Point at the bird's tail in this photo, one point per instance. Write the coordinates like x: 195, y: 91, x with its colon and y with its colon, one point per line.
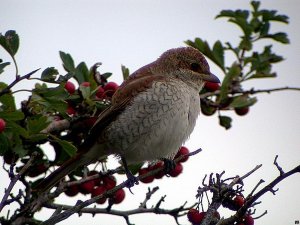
x: 66, y: 168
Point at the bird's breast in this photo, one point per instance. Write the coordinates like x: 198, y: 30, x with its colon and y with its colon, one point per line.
x: 156, y: 123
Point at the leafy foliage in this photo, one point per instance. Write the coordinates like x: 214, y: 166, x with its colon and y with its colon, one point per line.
x: 249, y: 64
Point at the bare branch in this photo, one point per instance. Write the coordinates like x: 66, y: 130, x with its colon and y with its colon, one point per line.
x: 15, y: 178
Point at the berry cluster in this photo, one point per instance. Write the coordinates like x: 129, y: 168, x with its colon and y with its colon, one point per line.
x: 183, y: 151
x: 102, y: 92
x: 97, y: 187
x: 208, y: 109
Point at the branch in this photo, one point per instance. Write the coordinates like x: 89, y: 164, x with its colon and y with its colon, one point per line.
x: 80, y: 205
x: 251, y: 91
x: 18, y: 79
x: 251, y: 199
x: 14, y: 180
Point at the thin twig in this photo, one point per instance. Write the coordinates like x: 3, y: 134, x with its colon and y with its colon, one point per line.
x: 15, y: 179
x: 18, y: 79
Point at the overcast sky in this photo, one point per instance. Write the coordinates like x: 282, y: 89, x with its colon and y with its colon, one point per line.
x: 135, y: 33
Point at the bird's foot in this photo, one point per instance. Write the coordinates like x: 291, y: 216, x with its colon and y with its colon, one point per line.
x: 169, y: 165
x: 131, y: 180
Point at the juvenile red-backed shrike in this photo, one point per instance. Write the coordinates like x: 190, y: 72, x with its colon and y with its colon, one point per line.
x: 151, y: 115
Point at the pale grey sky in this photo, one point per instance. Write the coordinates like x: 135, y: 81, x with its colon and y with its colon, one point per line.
x: 135, y: 33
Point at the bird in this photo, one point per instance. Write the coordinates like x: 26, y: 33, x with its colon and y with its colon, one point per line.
x: 152, y: 113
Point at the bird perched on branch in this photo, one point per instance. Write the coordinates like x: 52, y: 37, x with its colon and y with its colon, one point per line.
x: 152, y: 114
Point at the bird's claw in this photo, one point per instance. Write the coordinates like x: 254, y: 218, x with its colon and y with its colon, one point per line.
x: 169, y: 165
x: 131, y: 181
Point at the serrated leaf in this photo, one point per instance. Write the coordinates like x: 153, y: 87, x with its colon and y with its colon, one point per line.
x: 49, y: 74
x: 280, y: 37
x: 3, y: 65
x: 67, y: 147
x: 242, y: 101
x: 10, y: 42
x: 82, y: 73
x: 125, y: 72
x: 225, y: 122
x: 269, y: 15
x: 68, y: 62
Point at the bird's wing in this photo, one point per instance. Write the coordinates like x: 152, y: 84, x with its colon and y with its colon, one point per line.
x: 136, y: 83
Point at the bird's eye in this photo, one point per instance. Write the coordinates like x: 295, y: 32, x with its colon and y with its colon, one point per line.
x: 195, y: 67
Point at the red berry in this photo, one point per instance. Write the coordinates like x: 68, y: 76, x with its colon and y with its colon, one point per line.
x: 217, y: 215
x: 212, y: 86
x: 177, y: 170
x: 2, y: 125
x: 97, y: 180
x: 239, y: 200
x: 183, y: 151
x: 70, y: 110
x: 118, y: 196
x: 87, y: 187
x: 160, y: 174
x: 72, y: 191
x: 110, y: 88
x: 85, y: 84
x: 70, y: 87
x: 10, y: 157
x: 148, y: 179
x: 100, y: 92
x: 194, y: 216
x: 109, y: 182
x: 241, y: 111
x: 37, y: 170
x: 99, y: 191
x: 248, y: 220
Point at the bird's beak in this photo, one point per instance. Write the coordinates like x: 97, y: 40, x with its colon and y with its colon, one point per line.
x: 210, y: 77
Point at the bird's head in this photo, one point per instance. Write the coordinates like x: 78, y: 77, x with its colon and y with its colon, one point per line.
x: 185, y: 63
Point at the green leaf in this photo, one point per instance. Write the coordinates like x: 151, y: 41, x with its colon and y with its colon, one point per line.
x: 280, y: 37
x: 246, y: 44
x: 225, y: 122
x: 49, y: 74
x: 125, y: 72
x: 10, y: 42
x: 36, y: 124
x: 67, y: 147
x: 255, y: 5
x: 106, y: 75
x: 242, y: 101
x: 3, y: 65
x: 7, y: 100
x: 4, y: 144
x: 218, y: 53
x: 68, y: 62
x: 233, y: 72
x: 82, y: 73
x: 264, y: 29
x: 85, y: 91
x: 17, y: 130
x: 13, y: 116
x: 269, y: 15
